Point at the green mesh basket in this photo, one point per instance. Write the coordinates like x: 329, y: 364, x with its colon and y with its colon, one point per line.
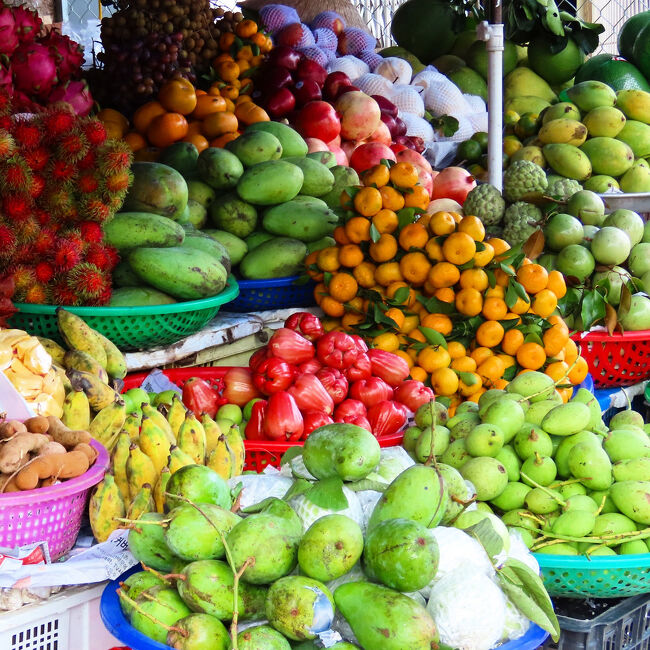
x: 130, y: 328
x: 599, y: 577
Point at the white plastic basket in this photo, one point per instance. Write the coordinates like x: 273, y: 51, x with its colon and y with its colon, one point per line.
x: 69, y: 620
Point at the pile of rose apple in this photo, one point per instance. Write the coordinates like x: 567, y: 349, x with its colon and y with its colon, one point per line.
x: 305, y: 378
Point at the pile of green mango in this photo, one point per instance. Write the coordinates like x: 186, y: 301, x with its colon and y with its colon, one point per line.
x: 552, y: 471
x: 293, y: 578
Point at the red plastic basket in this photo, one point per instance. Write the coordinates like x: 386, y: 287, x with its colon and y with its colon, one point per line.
x: 259, y: 453
x: 616, y: 359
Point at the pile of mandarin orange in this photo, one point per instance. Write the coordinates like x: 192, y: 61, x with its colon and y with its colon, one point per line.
x: 494, y: 310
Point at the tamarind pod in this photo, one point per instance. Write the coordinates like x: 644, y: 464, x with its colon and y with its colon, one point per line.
x: 139, y: 470
x: 99, y: 394
x: 191, y: 439
x: 79, y: 360
x: 178, y: 458
x: 176, y: 414
x: 160, y: 488
x: 105, y: 507
x: 107, y: 424
x: 67, y: 437
x: 160, y: 421
x: 78, y: 335
x: 53, y: 349
x: 37, y: 424
x: 154, y: 443
x: 132, y: 424
x: 118, y: 461
x: 76, y: 411
x: 142, y: 503
x: 115, y: 361
x: 237, y: 449
x: 15, y: 452
x: 86, y: 449
x: 220, y: 459
x: 212, y: 433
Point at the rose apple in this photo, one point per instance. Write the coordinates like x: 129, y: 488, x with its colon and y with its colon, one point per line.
x: 318, y: 119
x: 285, y: 56
x: 360, y: 115
x: 332, y: 83
x: 305, y: 91
x: 308, y: 69
x: 369, y: 154
x: 280, y: 103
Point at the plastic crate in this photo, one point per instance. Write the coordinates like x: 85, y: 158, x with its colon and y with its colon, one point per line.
x: 69, y: 620
x: 279, y: 293
x: 625, y: 626
x: 130, y: 328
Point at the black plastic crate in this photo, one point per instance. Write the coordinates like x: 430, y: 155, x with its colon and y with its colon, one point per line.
x: 625, y: 625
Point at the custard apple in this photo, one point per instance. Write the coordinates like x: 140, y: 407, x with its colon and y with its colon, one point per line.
x: 486, y: 203
x: 562, y: 189
x: 494, y: 231
x: 520, y: 222
x: 521, y: 178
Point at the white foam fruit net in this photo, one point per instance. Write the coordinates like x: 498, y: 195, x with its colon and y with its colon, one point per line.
x: 350, y: 65
x: 398, y: 71
x: 417, y: 126
x: 374, y: 84
x: 408, y: 99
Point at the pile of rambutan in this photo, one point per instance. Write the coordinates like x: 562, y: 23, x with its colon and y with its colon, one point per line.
x: 61, y: 178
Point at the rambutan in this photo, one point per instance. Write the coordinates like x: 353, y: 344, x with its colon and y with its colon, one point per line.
x: 96, y: 210
x: 16, y: 175
x: 58, y: 120
x: 94, y: 131
x: 37, y: 294
x: 113, y: 255
x: 28, y: 230
x: 5, y: 101
x: 72, y: 146
x: 8, y: 241
x: 58, y: 199
x: 115, y: 156
x: 24, y: 277
x: 118, y: 182
x: 7, y: 144
x: 24, y: 253
x: 26, y: 133
x: 116, y: 200
x: 62, y: 294
x: 38, y: 185
x: 44, y: 272
x: 103, y: 299
x: 87, y: 281
x: 62, y: 171
x: 37, y: 158
x: 42, y: 216
x: 67, y: 254
x: 45, y: 241
x: 91, y: 232
x: 87, y: 183
x: 88, y: 161
x: 98, y: 256
x: 17, y: 206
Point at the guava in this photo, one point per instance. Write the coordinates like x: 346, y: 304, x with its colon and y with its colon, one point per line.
x: 638, y: 316
x: 589, y: 234
x: 629, y: 222
x: 610, y: 245
x: 588, y: 207
x: 616, y: 277
x: 563, y: 230
x: 639, y: 262
x: 576, y: 261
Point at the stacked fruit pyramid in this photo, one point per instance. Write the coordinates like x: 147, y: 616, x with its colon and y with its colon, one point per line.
x: 468, y: 312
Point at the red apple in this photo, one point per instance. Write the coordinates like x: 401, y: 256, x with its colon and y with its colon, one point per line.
x: 285, y: 56
x: 360, y: 115
x: 332, y: 83
x: 346, y: 89
x: 369, y: 154
x: 416, y: 159
x: 275, y: 77
x: 280, y: 103
x: 308, y: 69
x: 318, y: 119
x: 382, y: 134
x: 341, y: 157
x: 389, y: 121
x: 398, y: 148
x: 305, y: 91
x: 385, y: 105
x: 314, y: 144
x: 418, y: 143
x: 400, y: 127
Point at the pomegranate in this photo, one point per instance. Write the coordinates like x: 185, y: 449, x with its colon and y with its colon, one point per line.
x: 369, y: 154
x: 453, y: 183
x: 381, y: 134
x: 318, y: 119
x: 416, y: 159
x: 360, y: 115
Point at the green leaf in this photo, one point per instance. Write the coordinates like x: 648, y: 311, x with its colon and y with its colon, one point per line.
x: 534, y: 338
x: 328, y: 493
x: 510, y: 373
x: 436, y: 306
x: 374, y: 233
x: 327, y: 277
x: 290, y: 454
x: 492, y: 281
x: 387, y: 163
x: 467, y: 378
x: 487, y: 536
x: 405, y: 216
x: 300, y: 486
x: 433, y: 336
x: 521, y: 292
x: 593, y: 308
x: 506, y: 269
x: 511, y: 296
x: 401, y: 295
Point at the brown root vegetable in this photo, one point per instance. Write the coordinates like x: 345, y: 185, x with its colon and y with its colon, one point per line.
x: 10, y: 428
x: 14, y: 452
x: 38, y: 424
x: 59, y: 466
x: 67, y: 437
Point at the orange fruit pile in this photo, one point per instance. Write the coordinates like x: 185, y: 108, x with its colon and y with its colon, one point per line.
x: 466, y: 313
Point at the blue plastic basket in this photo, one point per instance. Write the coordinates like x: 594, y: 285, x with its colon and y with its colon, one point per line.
x: 123, y: 631
x: 279, y: 293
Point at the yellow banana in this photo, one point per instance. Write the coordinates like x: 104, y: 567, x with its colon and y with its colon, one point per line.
x: 154, y: 443
x: 212, y: 433
x: 107, y: 424
x: 78, y: 360
x: 160, y: 489
x: 176, y: 414
x: 160, y: 421
x: 237, y: 449
x: 178, y: 458
x: 132, y: 424
x: 115, y: 361
x: 105, y: 507
x: 76, y: 411
x: 220, y: 459
x: 139, y: 470
x: 53, y: 349
x: 191, y: 439
x: 99, y: 394
x: 142, y: 503
x: 78, y: 335
x: 118, y: 462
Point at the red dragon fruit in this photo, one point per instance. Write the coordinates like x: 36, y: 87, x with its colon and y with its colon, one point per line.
x: 75, y: 93
x: 67, y: 53
x: 6, y: 78
x: 28, y: 23
x: 8, y: 35
x: 34, y: 69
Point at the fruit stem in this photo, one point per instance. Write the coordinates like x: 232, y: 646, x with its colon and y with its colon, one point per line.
x: 613, y: 537
x: 555, y: 497
x: 158, y: 575
x: 431, y: 458
x: 602, y: 505
x: 122, y: 596
x: 569, y: 481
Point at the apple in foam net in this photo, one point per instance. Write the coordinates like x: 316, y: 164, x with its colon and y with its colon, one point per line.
x: 285, y: 56
x: 318, y: 119
x: 332, y: 83
x: 360, y: 115
x: 308, y: 69
x: 368, y: 154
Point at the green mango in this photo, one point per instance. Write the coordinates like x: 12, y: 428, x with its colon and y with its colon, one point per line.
x: 276, y: 258
x: 182, y: 156
x: 534, y: 386
x: 512, y: 497
x: 198, y: 484
x: 568, y: 160
x: 591, y: 465
x: 202, y: 242
x: 634, y: 469
x: 138, y: 297
x: 219, y: 168
x: 304, y: 222
x: 608, y: 156
x: 626, y: 444
x: 235, y: 247
x: 343, y: 177
x: 291, y: 141
x: 632, y: 498
x: 588, y: 95
x: 577, y: 523
x: 164, y: 606
x: 456, y: 489
x: 156, y: 188
x: 318, y: 179
x: 134, y: 585
x: 199, y: 632
x: 488, y: 476
x: 228, y: 212
x: 254, y: 147
x: 567, y: 419
x: 270, y: 183
x: 327, y: 158
x: 262, y: 637
x: 256, y: 238
x: 128, y: 230
x: 566, y: 445
x: 147, y: 543
x: 200, y: 192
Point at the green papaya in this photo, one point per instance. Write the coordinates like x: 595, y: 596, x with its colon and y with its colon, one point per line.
x: 270, y: 183
x: 304, y: 222
x: 276, y: 258
x: 128, y: 230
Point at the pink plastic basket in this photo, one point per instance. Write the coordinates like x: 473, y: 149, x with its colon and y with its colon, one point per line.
x: 51, y: 514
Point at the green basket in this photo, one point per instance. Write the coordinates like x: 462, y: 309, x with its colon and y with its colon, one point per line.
x: 597, y: 577
x: 130, y: 328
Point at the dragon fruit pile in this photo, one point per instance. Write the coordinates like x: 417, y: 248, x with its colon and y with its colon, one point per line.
x: 39, y: 68
x: 60, y: 179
